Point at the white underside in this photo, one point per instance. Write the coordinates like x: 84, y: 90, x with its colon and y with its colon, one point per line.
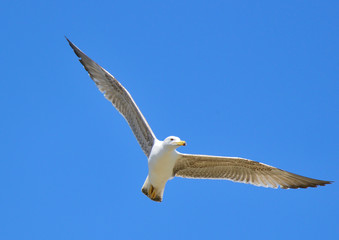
x: 160, y: 165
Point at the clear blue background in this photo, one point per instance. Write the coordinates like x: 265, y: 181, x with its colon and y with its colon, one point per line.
x: 254, y: 79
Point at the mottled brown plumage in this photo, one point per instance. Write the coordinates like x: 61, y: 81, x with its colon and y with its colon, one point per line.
x: 120, y: 98
x: 240, y: 170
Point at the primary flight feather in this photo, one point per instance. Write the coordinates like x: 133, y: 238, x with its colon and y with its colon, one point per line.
x: 164, y: 162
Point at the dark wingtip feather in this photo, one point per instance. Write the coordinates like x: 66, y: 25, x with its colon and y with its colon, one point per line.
x: 76, y: 50
x: 322, y: 183
x: 70, y: 43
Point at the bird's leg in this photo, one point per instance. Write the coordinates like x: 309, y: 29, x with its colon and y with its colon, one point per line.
x: 153, y: 195
x: 151, y: 192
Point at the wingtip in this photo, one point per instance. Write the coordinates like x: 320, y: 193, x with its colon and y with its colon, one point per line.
x: 314, y: 185
x: 324, y: 183
x: 69, y: 42
x: 76, y: 50
x: 67, y: 38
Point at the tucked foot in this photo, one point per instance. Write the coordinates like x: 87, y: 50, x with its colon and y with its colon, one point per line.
x: 152, y: 194
x: 151, y: 190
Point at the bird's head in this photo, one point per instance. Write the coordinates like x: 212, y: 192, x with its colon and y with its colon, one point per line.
x: 174, y: 141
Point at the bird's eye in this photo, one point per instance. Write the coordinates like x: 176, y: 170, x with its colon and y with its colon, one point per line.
x: 171, y: 139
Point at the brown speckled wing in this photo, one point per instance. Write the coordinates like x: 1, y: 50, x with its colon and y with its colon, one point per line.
x: 120, y: 98
x: 240, y: 170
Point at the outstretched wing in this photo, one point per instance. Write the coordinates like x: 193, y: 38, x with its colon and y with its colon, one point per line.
x: 120, y: 98
x: 240, y: 170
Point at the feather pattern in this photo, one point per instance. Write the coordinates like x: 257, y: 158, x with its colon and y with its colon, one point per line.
x: 240, y: 170
x: 164, y: 162
x: 120, y: 98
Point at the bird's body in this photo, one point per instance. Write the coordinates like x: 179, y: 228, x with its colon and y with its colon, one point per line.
x: 165, y: 162
x: 160, y: 164
x: 160, y: 169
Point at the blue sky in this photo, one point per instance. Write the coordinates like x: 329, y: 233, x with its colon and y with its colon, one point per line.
x: 254, y: 79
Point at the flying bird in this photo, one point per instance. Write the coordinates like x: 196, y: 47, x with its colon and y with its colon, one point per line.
x: 165, y: 162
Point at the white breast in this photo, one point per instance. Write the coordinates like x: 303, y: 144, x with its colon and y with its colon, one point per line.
x: 160, y: 164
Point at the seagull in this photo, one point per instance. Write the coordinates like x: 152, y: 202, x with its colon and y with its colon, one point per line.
x: 165, y: 162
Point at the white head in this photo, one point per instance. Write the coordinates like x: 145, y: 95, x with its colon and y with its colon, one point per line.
x: 174, y: 141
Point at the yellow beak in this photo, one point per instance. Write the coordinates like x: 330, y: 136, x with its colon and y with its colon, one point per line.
x: 181, y: 143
